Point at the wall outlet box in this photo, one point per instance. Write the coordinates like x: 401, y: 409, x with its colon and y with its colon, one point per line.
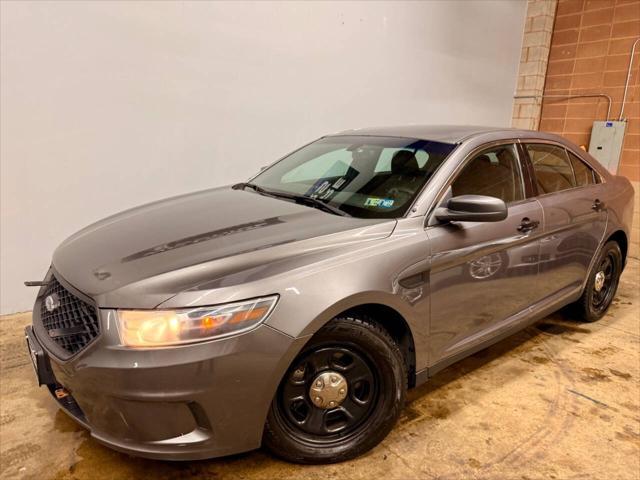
x: 606, y: 143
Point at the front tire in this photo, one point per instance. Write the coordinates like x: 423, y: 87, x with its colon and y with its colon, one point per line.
x: 340, y: 397
x: 602, y: 284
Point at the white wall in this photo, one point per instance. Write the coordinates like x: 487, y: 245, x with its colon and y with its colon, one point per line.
x: 109, y: 105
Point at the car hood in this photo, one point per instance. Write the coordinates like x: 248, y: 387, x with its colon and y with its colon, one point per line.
x: 143, y: 256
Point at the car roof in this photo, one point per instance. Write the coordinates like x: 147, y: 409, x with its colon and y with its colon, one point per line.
x: 437, y: 133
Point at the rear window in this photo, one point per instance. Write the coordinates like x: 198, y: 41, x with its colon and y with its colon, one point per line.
x: 552, y: 168
x: 583, y: 172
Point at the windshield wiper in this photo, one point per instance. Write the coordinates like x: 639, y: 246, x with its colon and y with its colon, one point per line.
x: 243, y: 185
x: 309, y: 201
x: 314, y: 202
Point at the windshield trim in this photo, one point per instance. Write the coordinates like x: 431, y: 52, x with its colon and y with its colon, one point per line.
x: 273, y: 164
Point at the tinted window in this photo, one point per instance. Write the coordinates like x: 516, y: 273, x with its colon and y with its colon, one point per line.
x: 551, y: 166
x: 494, y: 172
x: 384, y: 162
x: 331, y: 164
x: 364, y: 176
x: 584, y: 174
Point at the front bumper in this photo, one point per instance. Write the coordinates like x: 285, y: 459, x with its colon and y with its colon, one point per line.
x: 182, y: 403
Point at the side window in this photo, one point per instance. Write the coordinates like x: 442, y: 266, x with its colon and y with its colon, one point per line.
x: 583, y: 172
x: 494, y: 172
x: 551, y: 167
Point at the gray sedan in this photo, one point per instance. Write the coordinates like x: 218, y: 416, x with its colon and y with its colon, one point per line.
x: 295, y: 310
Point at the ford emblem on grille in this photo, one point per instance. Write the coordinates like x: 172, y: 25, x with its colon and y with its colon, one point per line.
x: 52, y: 302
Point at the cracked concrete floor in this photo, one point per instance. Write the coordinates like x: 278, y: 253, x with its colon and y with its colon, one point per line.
x: 560, y: 400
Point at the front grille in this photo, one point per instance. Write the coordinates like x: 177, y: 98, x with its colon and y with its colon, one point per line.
x: 72, y: 324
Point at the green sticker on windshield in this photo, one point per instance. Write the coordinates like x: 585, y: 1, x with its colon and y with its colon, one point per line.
x: 378, y: 202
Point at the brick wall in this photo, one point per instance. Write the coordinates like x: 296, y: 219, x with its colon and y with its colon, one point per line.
x: 533, y: 63
x: 589, y: 53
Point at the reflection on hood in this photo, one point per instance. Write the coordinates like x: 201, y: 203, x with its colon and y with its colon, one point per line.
x: 202, y: 237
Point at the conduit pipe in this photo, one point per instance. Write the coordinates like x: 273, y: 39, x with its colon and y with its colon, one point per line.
x: 626, y: 83
x: 569, y: 97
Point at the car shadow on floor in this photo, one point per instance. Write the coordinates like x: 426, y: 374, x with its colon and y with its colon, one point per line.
x: 560, y: 324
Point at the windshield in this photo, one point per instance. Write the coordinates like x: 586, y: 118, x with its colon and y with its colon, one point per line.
x: 363, y: 176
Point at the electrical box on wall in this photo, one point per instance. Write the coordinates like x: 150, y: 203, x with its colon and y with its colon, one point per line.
x: 606, y: 143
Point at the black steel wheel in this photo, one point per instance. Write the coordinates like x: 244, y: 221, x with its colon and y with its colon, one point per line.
x: 602, y: 283
x: 306, y: 397
x: 341, y: 395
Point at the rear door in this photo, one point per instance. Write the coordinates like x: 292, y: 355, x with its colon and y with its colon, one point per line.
x: 575, y: 217
x: 482, y: 274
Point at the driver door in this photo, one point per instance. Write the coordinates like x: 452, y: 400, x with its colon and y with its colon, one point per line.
x: 482, y: 273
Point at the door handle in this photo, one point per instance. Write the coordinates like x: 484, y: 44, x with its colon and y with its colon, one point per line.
x: 527, y: 225
x: 597, y: 205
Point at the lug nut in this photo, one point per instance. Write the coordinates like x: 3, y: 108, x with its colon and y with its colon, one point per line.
x: 341, y: 391
x: 334, y: 379
x: 318, y: 400
x: 319, y: 383
x: 332, y: 404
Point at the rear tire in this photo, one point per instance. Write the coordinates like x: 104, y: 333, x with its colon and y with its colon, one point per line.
x: 602, y: 284
x: 362, y: 355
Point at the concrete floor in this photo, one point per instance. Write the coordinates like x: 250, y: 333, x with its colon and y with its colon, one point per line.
x: 558, y: 400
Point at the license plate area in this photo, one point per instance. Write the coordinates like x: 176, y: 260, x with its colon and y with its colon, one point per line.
x: 39, y: 359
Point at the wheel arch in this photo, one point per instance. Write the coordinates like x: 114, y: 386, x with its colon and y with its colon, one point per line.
x: 388, y: 314
x: 396, y: 325
x: 620, y: 237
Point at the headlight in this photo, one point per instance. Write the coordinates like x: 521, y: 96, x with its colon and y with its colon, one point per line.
x: 155, y: 328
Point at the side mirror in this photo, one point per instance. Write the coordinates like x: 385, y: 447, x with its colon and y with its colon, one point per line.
x: 472, y: 208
